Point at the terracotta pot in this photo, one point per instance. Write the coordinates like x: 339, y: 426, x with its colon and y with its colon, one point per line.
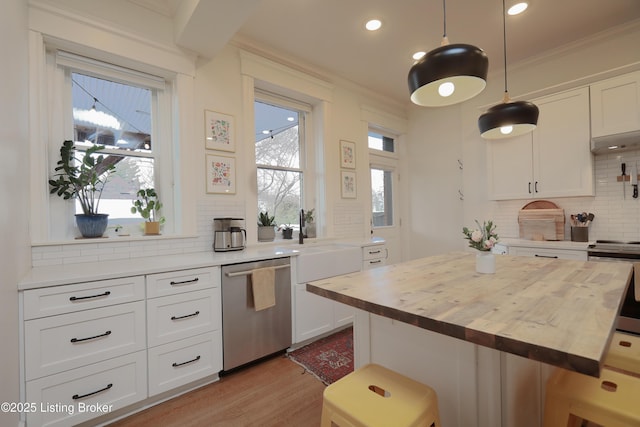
x: 151, y: 228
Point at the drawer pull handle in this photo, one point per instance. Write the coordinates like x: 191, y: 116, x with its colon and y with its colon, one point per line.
x: 376, y: 261
x: 546, y: 256
x: 184, y: 282
x: 184, y: 363
x: 185, y: 316
x: 106, y: 294
x: 78, y: 396
x: 374, y: 252
x: 91, y: 338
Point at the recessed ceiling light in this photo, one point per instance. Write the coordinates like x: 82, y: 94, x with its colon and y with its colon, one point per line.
x: 418, y: 55
x: 518, y: 8
x: 373, y: 25
x: 290, y: 119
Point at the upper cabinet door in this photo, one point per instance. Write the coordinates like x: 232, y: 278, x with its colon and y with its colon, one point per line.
x: 562, y: 160
x: 615, y: 105
x: 510, y: 170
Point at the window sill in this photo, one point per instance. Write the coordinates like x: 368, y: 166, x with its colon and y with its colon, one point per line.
x: 114, y: 239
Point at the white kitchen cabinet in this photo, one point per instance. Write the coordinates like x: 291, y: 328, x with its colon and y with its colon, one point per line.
x: 66, y: 398
x: 615, y: 105
x: 184, y: 327
x: 313, y: 314
x: 374, y: 256
x: 84, y: 344
x: 553, y: 161
x: 538, y: 252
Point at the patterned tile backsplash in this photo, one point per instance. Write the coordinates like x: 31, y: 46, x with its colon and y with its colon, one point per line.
x: 617, y: 217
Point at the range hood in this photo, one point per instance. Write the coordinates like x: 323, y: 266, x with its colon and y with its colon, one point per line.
x: 614, y: 143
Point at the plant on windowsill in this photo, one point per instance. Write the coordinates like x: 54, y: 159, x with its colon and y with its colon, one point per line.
x: 287, y: 231
x: 148, y: 205
x: 310, y: 224
x: 83, y: 179
x: 266, y: 227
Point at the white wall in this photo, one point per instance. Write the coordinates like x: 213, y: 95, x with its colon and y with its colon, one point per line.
x: 14, y: 191
x: 440, y: 136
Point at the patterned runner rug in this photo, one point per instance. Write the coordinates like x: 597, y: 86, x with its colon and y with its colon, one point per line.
x: 329, y: 358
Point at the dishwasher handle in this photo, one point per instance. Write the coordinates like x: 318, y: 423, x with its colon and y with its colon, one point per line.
x: 247, y: 272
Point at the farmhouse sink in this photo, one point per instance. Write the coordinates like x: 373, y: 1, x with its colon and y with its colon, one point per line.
x: 327, y: 260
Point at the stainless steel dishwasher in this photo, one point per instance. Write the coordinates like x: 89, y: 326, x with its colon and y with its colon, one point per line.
x: 247, y: 334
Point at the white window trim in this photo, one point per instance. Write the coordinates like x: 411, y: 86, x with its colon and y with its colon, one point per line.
x: 50, y: 127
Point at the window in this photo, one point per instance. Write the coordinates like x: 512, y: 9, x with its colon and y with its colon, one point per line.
x: 118, y: 117
x: 126, y: 111
x: 280, y: 160
x: 382, y: 168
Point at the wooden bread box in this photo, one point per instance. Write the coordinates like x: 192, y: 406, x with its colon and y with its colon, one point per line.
x: 541, y: 220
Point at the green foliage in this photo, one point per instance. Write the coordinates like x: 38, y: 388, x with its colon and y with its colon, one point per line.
x: 308, y: 215
x: 265, y: 220
x: 148, y: 205
x: 482, y: 238
x: 82, y: 178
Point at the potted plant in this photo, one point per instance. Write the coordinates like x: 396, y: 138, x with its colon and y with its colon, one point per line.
x: 287, y: 231
x: 83, y: 179
x: 310, y: 224
x: 148, y: 206
x: 266, y: 227
x: 483, y: 239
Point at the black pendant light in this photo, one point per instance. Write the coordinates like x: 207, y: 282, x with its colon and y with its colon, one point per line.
x: 449, y: 74
x: 511, y: 118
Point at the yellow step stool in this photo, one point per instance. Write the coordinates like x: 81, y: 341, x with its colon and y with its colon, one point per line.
x: 611, y: 400
x: 376, y: 396
x: 624, y: 353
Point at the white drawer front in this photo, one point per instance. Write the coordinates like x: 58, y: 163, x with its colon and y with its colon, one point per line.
x: 182, y: 281
x: 111, y: 385
x: 179, y: 316
x: 549, y: 253
x: 181, y: 362
x: 82, y: 296
x: 373, y: 263
x: 374, y: 252
x: 59, y: 343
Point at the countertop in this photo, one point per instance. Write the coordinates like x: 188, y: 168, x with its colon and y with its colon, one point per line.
x: 55, y: 275
x: 560, y: 312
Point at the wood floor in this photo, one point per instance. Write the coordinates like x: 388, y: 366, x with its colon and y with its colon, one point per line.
x: 276, y: 392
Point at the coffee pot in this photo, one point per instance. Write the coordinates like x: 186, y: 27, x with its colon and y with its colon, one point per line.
x: 228, y: 237
x: 238, y: 237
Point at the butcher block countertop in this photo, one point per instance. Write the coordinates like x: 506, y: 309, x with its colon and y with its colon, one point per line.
x: 555, y: 311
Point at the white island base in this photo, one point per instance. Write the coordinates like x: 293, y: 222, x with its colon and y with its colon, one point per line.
x: 476, y: 386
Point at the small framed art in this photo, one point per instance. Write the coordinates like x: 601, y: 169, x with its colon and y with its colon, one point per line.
x: 348, y: 184
x: 347, y: 154
x: 221, y: 174
x: 219, y: 132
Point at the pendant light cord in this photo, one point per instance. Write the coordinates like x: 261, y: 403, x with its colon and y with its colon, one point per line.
x: 444, y: 18
x: 504, y: 38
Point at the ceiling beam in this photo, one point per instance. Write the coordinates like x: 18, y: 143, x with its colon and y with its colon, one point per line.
x: 206, y: 26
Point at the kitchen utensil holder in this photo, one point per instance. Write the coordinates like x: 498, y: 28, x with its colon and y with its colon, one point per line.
x: 579, y: 234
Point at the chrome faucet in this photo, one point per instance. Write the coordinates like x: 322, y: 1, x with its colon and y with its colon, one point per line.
x: 300, y: 235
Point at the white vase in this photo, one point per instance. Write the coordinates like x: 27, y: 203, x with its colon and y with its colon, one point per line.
x: 485, y: 262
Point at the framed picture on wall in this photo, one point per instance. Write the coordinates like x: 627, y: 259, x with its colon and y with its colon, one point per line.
x: 348, y: 184
x: 221, y: 174
x: 347, y: 154
x: 219, y: 132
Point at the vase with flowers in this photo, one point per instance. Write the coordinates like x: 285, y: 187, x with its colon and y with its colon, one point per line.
x: 483, y: 239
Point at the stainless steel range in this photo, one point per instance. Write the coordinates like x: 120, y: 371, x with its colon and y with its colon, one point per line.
x: 617, y: 251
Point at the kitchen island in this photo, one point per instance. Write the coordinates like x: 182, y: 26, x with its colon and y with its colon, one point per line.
x: 458, y: 330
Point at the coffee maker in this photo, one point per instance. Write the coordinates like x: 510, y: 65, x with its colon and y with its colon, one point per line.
x: 228, y: 234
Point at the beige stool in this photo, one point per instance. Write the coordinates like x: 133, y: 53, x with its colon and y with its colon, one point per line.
x: 624, y: 353
x: 611, y: 400
x: 376, y: 396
